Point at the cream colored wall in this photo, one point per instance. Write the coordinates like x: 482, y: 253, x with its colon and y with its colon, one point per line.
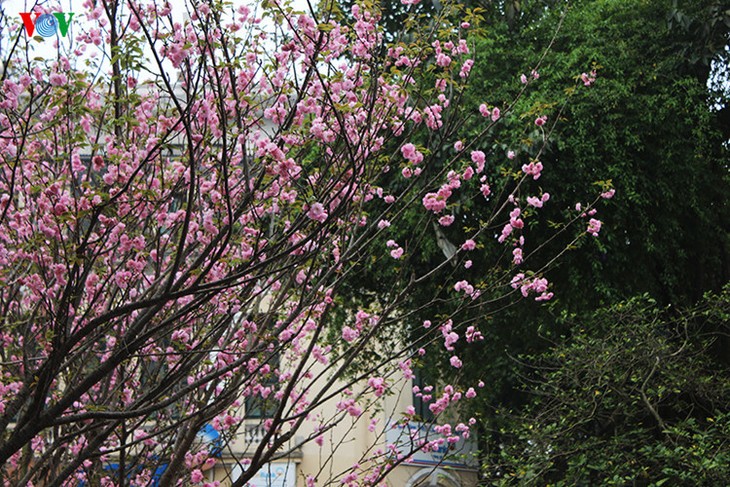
x: 351, y: 442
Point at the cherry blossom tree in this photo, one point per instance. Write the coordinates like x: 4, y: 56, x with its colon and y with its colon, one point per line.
x: 182, y: 194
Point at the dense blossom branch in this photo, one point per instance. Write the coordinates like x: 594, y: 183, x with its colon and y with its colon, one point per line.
x: 175, y: 233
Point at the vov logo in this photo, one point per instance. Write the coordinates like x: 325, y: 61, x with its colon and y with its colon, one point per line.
x: 46, y: 25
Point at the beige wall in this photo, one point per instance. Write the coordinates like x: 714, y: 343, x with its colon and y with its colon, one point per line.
x: 346, y: 444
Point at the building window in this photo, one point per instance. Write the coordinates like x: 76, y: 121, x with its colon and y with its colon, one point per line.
x: 421, y: 380
x: 257, y: 406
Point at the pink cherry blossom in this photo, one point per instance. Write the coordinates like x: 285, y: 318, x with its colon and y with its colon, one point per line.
x: 196, y: 476
x: 533, y: 169
x: 317, y: 212
x: 464, y: 286
x: 594, y: 226
x: 485, y: 190
x: 588, y: 79
x: 434, y: 202
x: 410, y: 153
x: 478, y: 158
x: 58, y: 79
x: 506, y: 231
x: 349, y: 334
x: 534, y: 201
x: 608, y: 194
x: 446, y: 220
x: 538, y: 202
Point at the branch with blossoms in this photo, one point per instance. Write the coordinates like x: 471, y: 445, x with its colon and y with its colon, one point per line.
x: 183, y: 199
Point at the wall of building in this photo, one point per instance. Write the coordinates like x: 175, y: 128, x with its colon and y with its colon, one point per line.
x: 350, y: 442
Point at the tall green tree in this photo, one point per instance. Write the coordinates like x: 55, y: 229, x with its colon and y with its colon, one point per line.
x: 650, y: 123
x: 647, y: 123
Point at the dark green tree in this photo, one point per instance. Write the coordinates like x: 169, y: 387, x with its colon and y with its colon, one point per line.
x: 647, y: 123
x: 636, y: 396
x: 651, y: 123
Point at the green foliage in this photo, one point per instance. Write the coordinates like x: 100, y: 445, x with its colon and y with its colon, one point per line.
x: 649, y: 125
x: 645, y: 124
x: 635, y: 396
